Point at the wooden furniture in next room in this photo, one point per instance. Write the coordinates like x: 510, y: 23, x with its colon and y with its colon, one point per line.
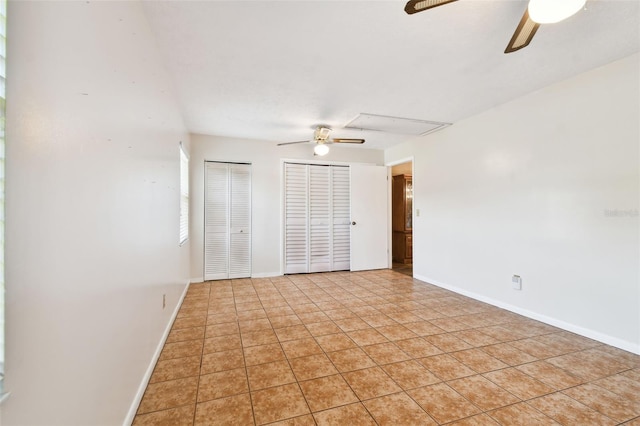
x: 401, y: 211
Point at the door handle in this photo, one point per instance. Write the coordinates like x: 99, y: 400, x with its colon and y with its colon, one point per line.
x: 353, y: 223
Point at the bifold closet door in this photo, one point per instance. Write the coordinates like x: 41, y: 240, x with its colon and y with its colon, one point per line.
x: 296, y: 211
x: 319, y: 219
x: 227, y: 242
x: 240, y: 227
x: 216, y: 221
x: 341, y: 223
x: 317, y: 209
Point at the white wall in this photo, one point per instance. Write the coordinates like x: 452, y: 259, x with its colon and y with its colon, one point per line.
x: 524, y: 188
x: 265, y: 158
x: 92, y: 210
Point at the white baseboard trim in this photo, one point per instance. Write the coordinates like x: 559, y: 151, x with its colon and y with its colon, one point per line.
x: 591, y: 334
x: 257, y: 275
x: 147, y: 375
x: 266, y: 275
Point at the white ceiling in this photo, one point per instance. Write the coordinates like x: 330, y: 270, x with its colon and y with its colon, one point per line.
x: 274, y: 69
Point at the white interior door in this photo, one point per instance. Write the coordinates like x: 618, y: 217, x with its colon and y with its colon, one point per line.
x: 227, y: 239
x: 369, y: 242
x: 240, y: 217
x: 296, y: 211
x: 341, y: 219
x: 320, y: 240
x: 216, y: 226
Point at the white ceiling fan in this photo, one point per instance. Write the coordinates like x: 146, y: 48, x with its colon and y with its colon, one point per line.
x: 538, y: 12
x: 321, y: 139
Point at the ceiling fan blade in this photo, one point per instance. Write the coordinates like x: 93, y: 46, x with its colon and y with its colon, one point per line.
x: 523, y: 35
x: 414, y: 6
x: 291, y: 143
x: 346, y: 140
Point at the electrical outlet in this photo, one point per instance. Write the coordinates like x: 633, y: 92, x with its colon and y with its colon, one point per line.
x: 516, y: 282
x: 164, y: 301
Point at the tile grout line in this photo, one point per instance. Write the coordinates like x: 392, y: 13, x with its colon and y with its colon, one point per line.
x: 244, y: 360
x: 204, y: 338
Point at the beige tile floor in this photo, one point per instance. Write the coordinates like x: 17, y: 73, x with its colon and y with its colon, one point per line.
x: 377, y: 347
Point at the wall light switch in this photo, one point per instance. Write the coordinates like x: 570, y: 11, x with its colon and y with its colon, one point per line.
x: 418, y: 212
x: 516, y: 282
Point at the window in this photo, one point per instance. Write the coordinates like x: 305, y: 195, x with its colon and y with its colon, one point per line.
x: 184, y: 196
x: 3, y: 35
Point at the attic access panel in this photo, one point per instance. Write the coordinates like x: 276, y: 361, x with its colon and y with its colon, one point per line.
x: 399, y: 125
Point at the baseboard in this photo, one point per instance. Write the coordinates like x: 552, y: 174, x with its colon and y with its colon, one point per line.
x: 591, y: 334
x: 257, y: 275
x: 266, y: 275
x: 147, y: 376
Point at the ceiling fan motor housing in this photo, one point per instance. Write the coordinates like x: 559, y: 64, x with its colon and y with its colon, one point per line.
x: 322, y: 133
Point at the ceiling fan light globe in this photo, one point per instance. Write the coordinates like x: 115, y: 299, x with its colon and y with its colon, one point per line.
x: 321, y: 149
x: 552, y: 11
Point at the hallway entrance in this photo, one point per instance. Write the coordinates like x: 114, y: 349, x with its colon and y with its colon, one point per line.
x: 402, y: 217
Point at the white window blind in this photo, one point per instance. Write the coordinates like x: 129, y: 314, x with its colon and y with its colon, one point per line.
x: 3, y: 34
x: 184, y: 196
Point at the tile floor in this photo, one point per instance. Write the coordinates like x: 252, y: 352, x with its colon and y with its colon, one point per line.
x: 403, y: 268
x: 377, y: 347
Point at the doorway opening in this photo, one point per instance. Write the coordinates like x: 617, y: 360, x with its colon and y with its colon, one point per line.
x: 402, y: 218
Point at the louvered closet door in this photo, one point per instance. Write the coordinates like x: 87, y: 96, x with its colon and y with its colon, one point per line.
x: 216, y: 233
x: 296, y: 194
x: 227, y: 242
x: 341, y: 218
x: 319, y: 219
x: 240, y: 227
